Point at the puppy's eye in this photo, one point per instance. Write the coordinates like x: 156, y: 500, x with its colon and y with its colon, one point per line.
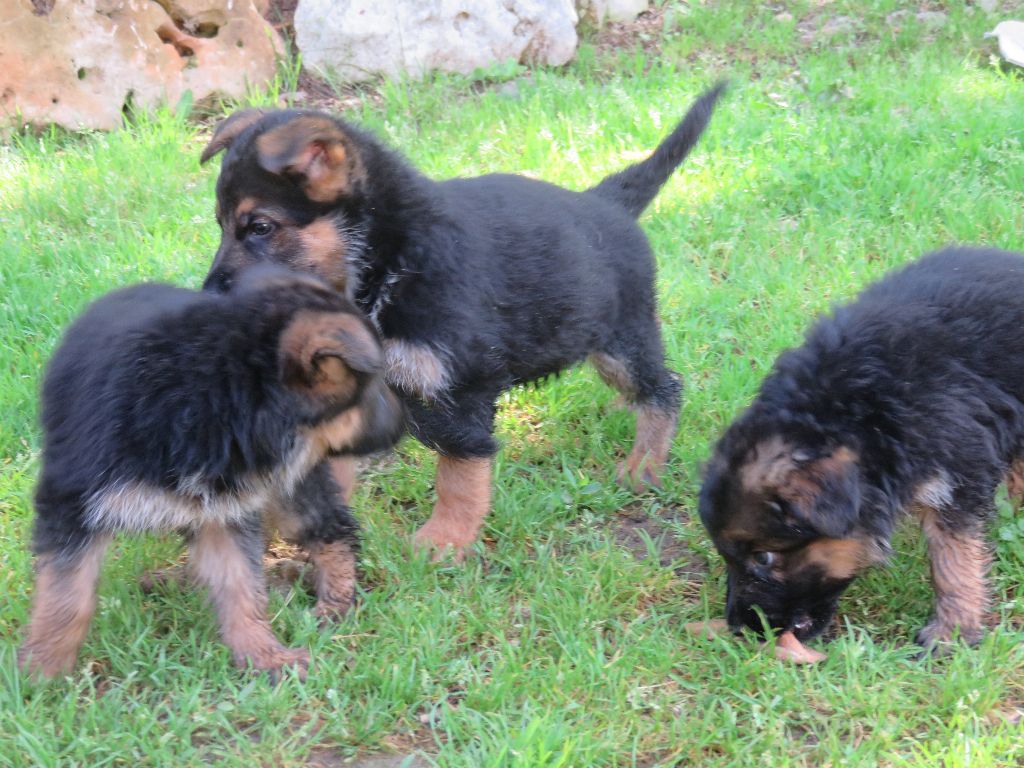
x: 261, y: 227
x: 765, y: 559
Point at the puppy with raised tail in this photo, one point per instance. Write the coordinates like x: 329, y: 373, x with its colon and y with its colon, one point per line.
x: 475, y: 284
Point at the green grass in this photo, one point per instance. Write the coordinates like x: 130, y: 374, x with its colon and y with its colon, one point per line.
x: 827, y: 164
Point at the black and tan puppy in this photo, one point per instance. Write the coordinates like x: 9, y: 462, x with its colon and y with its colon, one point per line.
x: 910, y: 399
x: 170, y: 410
x: 475, y: 284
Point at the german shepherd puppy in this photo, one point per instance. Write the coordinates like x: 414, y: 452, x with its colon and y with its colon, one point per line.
x: 909, y: 399
x: 475, y: 284
x: 166, y: 409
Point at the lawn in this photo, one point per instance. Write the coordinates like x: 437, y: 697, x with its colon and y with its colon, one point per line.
x: 843, y: 149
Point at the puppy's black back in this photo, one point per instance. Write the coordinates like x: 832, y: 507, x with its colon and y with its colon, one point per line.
x: 950, y: 321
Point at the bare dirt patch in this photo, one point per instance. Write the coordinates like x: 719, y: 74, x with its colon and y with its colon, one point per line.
x: 636, y: 530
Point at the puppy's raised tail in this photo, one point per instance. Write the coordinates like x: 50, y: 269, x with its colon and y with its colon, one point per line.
x: 635, y: 187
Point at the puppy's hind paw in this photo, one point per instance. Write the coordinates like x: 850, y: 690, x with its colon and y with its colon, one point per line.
x: 937, y: 638
x: 637, y: 476
x: 275, y: 661
x: 38, y: 660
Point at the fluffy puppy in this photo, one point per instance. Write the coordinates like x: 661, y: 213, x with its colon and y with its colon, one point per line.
x: 475, y: 284
x: 909, y: 399
x: 166, y: 409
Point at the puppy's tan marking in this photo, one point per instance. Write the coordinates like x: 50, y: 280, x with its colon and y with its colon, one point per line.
x: 839, y: 558
x: 64, y: 602
x: 339, y: 433
x: 335, y: 577
x: 416, y: 368
x: 655, y: 428
x: 345, y: 470
x: 323, y: 252
x: 959, y: 564
x: 312, y: 148
x: 237, y: 591
x: 463, y: 499
x: 317, y: 349
x: 245, y: 206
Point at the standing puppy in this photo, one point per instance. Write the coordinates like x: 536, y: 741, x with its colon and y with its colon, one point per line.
x: 475, y: 284
x: 166, y: 409
x: 909, y: 399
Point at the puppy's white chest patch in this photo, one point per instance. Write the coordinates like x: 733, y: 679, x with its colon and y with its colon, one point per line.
x: 419, y: 369
x: 936, y: 493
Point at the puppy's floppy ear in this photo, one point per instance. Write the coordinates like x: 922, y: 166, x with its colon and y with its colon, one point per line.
x: 824, y: 491
x: 323, y: 352
x: 228, y: 130
x: 313, y: 151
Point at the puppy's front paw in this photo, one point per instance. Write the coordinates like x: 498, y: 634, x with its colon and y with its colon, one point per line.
x: 330, y: 608
x: 444, y: 541
x: 45, y: 661
x: 636, y: 476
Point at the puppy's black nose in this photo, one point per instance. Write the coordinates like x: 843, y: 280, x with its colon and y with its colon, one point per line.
x: 217, y: 282
x: 802, y: 624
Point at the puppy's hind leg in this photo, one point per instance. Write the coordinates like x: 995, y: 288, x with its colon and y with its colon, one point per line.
x: 228, y: 560
x: 959, y: 561
x: 64, y: 602
x: 636, y: 369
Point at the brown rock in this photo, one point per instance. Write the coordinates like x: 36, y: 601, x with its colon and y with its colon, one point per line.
x: 80, y: 63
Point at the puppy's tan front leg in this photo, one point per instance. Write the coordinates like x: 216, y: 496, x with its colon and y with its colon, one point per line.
x: 334, y: 577
x: 463, y: 500
x: 344, y: 471
x: 228, y: 561
x: 959, y: 562
x: 62, y: 608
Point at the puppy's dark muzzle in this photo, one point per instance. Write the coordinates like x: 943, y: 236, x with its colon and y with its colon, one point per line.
x: 218, y: 281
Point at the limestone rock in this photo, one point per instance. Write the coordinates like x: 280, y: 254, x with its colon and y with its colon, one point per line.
x: 80, y: 63
x: 599, y: 11
x: 360, y: 39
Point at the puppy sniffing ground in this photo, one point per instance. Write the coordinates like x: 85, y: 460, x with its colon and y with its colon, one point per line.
x: 909, y: 400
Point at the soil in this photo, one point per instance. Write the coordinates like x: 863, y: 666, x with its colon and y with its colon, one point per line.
x: 633, y: 526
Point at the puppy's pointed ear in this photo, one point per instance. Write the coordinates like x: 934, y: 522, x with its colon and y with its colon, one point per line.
x: 313, y: 151
x: 228, y: 130
x: 323, y: 353
x: 823, y: 492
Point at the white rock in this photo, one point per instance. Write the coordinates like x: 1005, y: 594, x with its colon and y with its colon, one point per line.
x: 932, y: 19
x: 82, y: 63
x: 1010, y: 35
x: 359, y: 39
x: 599, y: 11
